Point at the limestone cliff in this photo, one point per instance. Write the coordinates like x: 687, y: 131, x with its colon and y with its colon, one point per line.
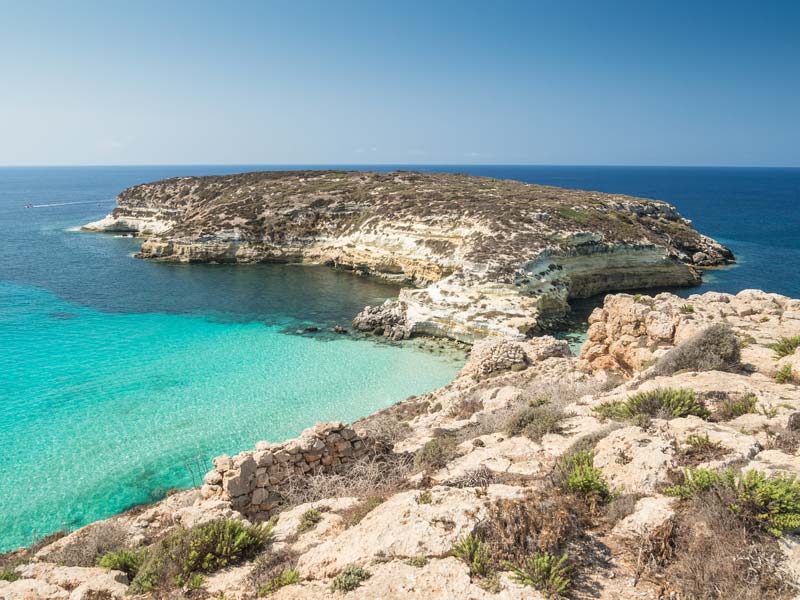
x: 486, y: 255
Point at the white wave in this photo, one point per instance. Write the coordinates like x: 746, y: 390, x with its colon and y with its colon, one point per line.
x: 67, y: 203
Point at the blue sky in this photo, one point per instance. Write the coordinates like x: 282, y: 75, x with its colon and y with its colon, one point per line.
x: 547, y: 82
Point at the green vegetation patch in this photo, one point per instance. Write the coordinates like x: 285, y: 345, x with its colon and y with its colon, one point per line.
x: 472, y: 551
x: 309, y: 519
x: 286, y: 577
x: 436, y: 453
x: 127, y: 561
x: 546, y: 573
x: 663, y: 403
x: 349, y: 579
x: 785, y: 346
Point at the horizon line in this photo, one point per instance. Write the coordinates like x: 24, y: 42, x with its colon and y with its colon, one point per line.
x: 391, y: 164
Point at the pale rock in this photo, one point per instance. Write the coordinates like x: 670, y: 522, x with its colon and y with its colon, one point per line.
x: 650, y: 514
x: 633, y: 460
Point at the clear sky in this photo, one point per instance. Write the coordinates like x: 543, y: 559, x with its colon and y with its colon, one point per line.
x: 552, y: 82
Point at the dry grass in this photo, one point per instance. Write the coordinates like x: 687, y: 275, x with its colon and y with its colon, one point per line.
x: 370, y: 476
x: 94, y: 541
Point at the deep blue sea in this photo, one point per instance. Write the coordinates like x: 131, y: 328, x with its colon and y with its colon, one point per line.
x: 121, y: 378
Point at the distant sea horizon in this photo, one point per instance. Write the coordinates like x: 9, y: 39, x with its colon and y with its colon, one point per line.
x: 116, y: 373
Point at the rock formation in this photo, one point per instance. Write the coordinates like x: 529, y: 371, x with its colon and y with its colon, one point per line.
x: 486, y: 256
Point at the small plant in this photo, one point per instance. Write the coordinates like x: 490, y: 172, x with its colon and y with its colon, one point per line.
x: 471, y: 551
x: 582, y: 478
x: 286, y: 577
x: 699, y: 448
x: 417, y: 561
x: 784, y: 375
x: 730, y: 408
x: 785, y: 346
x: 350, y: 579
x: 698, y: 481
x: 436, y: 453
x: 545, y: 572
x: 354, y: 515
x: 435, y: 408
x: 537, y: 421
x: 127, y: 561
x: 8, y: 574
x: 424, y: 498
x: 309, y: 519
x: 687, y: 309
x: 665, y: 403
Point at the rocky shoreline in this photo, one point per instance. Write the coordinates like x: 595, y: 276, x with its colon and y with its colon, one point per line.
x: 484, y: 256
x: 661, y: 462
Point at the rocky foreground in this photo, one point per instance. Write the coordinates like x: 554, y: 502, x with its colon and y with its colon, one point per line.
x: 660, y: 463
x: 487, y: 256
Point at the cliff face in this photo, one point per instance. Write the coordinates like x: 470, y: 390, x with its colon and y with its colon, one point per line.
x: 486, y: 255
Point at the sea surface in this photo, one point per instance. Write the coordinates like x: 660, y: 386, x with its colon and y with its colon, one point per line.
x: 120, y: 378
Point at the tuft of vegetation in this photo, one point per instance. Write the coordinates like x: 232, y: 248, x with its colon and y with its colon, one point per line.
x: 436, y: 453
x: 354, y: 515
x: 582, y: 478
x: 286, y: 577
x: 472, y: 551
x: 662, y: 403
x: 417, y: 561
x: 699, y: 448
x: 687, y: 309
x: 785, y: 346
x: 715, y: 348
x: 730, y: 408
x: 784, y: 375
x: 203, y: 549
x: 424, y: 498
x: 308, y: 520
x: 8, y: 574
x: 537, y: 421
x: 349, y: 579
x: 127, y: 561
x: 772, y: 503
x: 545, y: 572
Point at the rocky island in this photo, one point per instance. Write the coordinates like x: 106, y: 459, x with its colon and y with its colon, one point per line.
x: 484, y: 255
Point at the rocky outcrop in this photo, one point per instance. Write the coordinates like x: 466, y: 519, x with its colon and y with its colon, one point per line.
x: 488, y: 256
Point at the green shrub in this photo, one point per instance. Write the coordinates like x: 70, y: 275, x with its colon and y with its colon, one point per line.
x: 436, y: 453
x: 471, y: 551
x: 687, y: 309
x: 582, y: 478
x: 772, y: 503
x: 545, y: 572
x: 286, y: 577
x: 417, y: 561
x: 784, y: 375
x: 663, y: 403
x: 715, y: 348
x: 309, y: 519
x: 202, y: 549
x: 699, y: 448
x: 536, y: 421
x: 127, y: 561
x: 350, y: 579
x: 785, y: 346
x: 730, y: 408
x: 8, y: 574
x: 424, y: 498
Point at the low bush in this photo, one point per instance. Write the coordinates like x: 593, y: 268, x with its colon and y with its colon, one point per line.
x: 202, y: 549
x: 472, y: 551
x: 661, y: 403
x: 715, y: 348
x: 536, y: 421
x: 784, y: 374
x: 546, y: 573
x: 424, y: 498
x: 436, y: 453
x: 699, y: 448
x: 772, y: 503
x: 575, y: 473
x: 732, y: 407
x: 127, y: 561
x: 785, y: 346
x: 353, y: 516
x: 349, y: 579
x: 90, y: 544
x: 308, y: 520
x: 8, y: 574
x: 286, y: 577
x: 417, y: 561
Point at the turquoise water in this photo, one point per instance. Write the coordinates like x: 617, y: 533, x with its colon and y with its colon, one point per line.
x: 120, y: 378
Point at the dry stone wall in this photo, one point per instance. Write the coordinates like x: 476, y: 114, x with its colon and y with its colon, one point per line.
x: 253, y: 481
